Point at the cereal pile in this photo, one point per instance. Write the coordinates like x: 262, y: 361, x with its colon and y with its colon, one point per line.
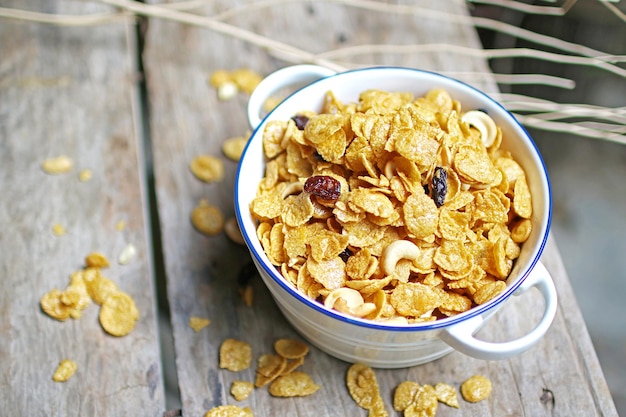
x: 396, y: 209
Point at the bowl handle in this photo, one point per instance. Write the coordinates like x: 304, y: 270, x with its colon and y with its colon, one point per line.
x: 461, y: 336
x: 281, y: 78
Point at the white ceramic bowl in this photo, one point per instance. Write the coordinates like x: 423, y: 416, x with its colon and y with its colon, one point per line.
x: 383, y: 345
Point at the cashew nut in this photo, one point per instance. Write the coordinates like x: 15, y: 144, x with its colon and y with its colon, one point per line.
x: 485, y: 125
x: 349, y: 301
x: 292, y: 188
x: 400, y: 249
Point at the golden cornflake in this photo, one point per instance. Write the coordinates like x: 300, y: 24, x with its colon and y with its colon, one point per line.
x: 404, y: 395
x: 58, y: 165
x: 233, y: 147
x: 246, y: 79
x: 85, y: 175
x: 241, y: 389
x: 58, y: 229
x: 120, y: 225
x: 344, y: 184
x: 447, y: 394
x: 96, y: 260
x: 229, y: 411
x: 118, y: 314
x: 476, y: 388
x: 52, y: 305
x: 207, y: 168
x: 198, y: 323
x: 269, y: 367
x: 64, y: 371
x: 363, y: 387
x: 295, y: 384
x: 290, y: 348
x: 207, y: 219
x: 235, y: 355
x: 219, y: 78
x: 99, y: 287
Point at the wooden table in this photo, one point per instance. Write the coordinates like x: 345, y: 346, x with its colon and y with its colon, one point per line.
x: 76, y: 90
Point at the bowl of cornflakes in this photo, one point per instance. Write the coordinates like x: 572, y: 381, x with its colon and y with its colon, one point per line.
x: 392, y: 211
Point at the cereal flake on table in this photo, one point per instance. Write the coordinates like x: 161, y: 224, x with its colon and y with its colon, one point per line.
x: 57, y: 165
x: 64, y: 371
x: 409, y: 202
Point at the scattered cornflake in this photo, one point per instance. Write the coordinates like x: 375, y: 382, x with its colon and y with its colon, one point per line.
x: 207, y: 168
x: 476, y: 388
x: 241, y: 389
x: 269, y: 367
x: 446, y: 394
x: 127, y: 255
x: 229, y: 411
x: 58, y: 165
x: 235, y: 355
x: 295, y: 384
x: 98, y: 286
x: 231, y: 227
x: 96, y: 260
x: 219, y: 77
x: 363, y: 387
x: 64, y: 371
x: 233, y: 147
x: 291, y: 348
x: 58, y: 229
x: 247, y: 295
x: 120, y: 225
x: 85, y: 175
x: 198, y: 323
x: 118, y: 314
x: 207, y: 219
x: 246, y: 79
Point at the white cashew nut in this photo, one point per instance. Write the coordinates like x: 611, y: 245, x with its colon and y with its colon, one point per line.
x: 349, y: 301
x: 292, y: 188
x: 485, y: 125
x: 400, y: 249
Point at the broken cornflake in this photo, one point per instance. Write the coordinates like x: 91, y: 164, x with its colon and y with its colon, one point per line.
x: 229, y: 411
x: 295, y: 384
x: 198, y: 323
x: 235, y: 355
x: 64, y: 371
x: 446, y: 394
x: 58, y: 229
x: 58, y: 165
x: 363, y: 387
x: 269, y: 368
x: 85, y: 175
x: 241, y: 390
x: 96, y: 260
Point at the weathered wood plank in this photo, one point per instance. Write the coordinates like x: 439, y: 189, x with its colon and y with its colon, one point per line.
x: 188, y: 120
x: 71, y: 91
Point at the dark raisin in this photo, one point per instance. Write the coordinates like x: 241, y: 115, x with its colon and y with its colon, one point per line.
x: 426, y: 189
x: 345, y: 254
x: 439, y: 185
x: 324, y: 187
x: 301, y: 121
x: 247, y: 272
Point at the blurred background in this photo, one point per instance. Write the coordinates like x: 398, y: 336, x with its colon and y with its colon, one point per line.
x: 588, y: 175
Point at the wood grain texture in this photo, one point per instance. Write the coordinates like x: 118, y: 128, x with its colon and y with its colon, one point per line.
x: 187, y: 120
x: 71, y: 91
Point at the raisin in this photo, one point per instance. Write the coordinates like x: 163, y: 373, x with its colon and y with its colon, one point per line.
x: 324, y: 187
x: 301, y: 121
x: 345, y: 254
x: 439, y: 186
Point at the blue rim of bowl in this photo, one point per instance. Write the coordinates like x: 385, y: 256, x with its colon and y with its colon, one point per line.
x: 424, y: 326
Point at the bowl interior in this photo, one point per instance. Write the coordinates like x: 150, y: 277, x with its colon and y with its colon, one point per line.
x: 347, y: 87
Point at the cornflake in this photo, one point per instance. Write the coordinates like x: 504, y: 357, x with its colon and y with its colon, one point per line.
x: 207, y: 219
x: 294, y: 384
x: 235, y: 355
x: 476, y: 388
x: 207, y: 168
x: 57, y: 165
x: 65, y: 370
x: 229, y: 411
x: 198, y: 323
x: 241, y: 390
x: 118, y: 314
x: 363, y: 388
x: 343, y: 184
